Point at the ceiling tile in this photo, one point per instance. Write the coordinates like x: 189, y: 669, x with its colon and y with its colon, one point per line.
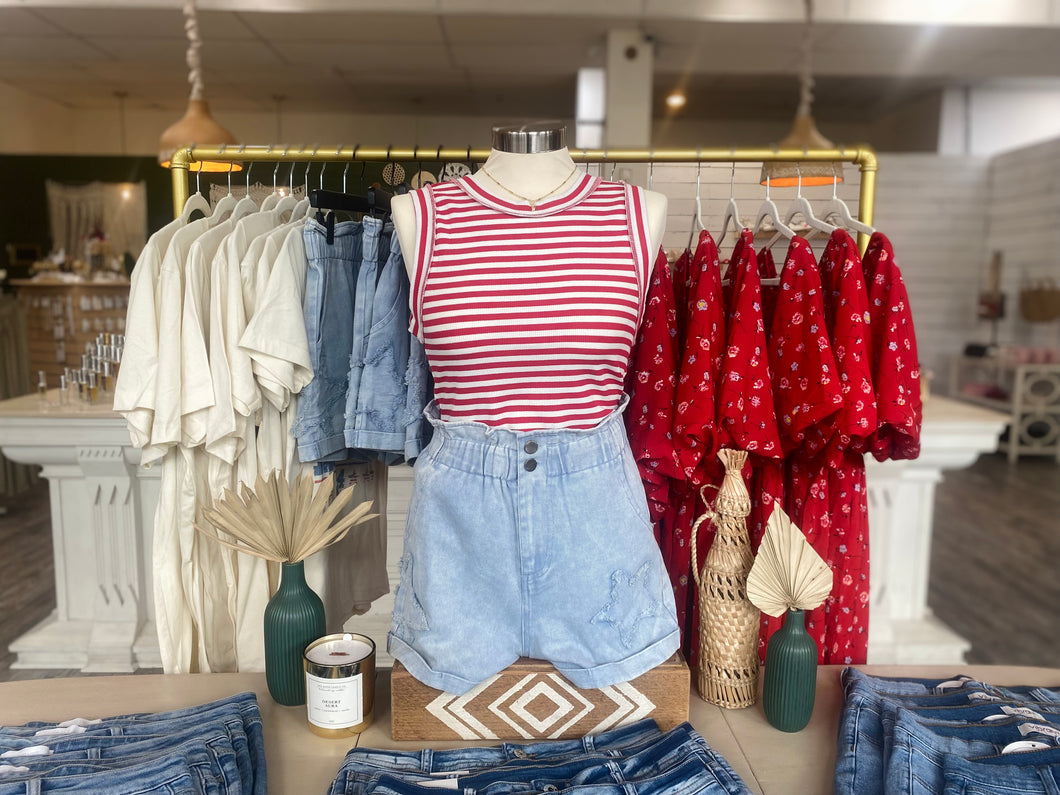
x: 19, y: 22
x: 475, y: 29
x: 368, y: 28
x: 90, y: 22
x: 514, y: 58
x: 368, y: 58
x: 48, y: 49
x: 215, y: 54
x: 563, y: 8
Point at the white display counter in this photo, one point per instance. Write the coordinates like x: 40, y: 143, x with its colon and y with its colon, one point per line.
x: 103, y: 507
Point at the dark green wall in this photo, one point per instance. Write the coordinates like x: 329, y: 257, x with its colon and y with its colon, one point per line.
x: 24, y: 203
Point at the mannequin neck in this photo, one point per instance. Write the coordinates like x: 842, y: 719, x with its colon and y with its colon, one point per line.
x: 519, y: 177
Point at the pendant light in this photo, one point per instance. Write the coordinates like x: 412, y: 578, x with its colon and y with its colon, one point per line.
x: 804, y: 135
x: 197, y: 127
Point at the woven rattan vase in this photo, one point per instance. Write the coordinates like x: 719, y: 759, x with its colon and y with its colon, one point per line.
x: 728, y: 622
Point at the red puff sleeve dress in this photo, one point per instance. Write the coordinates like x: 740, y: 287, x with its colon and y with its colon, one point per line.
x: 895, y: 366
x: 651, y: 387
x: 806, y: 390
x: 745, y: 410
x: 841, y: 625
x: 694, y: 426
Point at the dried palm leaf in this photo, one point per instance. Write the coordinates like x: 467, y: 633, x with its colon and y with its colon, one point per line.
x: 787, y: 573
x: 279, y: 522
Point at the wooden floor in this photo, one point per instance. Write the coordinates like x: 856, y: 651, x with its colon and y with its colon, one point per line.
x: 995, y: 563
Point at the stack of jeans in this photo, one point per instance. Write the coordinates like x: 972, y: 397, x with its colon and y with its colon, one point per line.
x: 215, y: 749
x: 631, y: 760
x: 920, y: 736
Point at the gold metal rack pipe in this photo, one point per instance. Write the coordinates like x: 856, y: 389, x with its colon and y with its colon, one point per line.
x: 863, y: 157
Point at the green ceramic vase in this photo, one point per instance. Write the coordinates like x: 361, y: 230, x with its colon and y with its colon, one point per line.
x: 294, y: 618
x: 791, y: 675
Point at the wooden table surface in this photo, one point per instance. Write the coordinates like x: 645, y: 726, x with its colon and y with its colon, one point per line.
x: 770, y: 761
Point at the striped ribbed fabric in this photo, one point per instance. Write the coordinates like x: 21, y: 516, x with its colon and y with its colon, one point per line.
x: 528, y: 315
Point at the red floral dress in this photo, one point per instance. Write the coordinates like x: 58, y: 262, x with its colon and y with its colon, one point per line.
x: 651, y: 385
x: 746, y: 415
x: 806, y: 390
x: 831, y: 478
x: 895, y: 366
x: 694, y: 426
x: 746, y: 420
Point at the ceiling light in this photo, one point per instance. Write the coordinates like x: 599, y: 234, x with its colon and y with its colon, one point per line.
x: 676, y: 99
x: 197, y: 127
x: 804, y: 135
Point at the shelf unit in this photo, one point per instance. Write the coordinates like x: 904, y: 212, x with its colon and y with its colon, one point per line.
x: 1033, y: 402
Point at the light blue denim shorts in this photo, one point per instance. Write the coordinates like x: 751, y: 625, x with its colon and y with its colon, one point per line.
x: 530, y: 544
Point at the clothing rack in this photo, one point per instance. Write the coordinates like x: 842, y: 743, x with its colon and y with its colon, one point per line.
x: 863, y: 157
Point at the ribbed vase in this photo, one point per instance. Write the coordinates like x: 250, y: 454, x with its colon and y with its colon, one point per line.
x: 791, y: 675
x: 294, y: 618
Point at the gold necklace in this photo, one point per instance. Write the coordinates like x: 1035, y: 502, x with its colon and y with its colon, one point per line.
x: 532, y: 202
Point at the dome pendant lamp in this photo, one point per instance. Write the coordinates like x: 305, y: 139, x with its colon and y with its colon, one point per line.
x: 804, y: 134
x: 197, y: 127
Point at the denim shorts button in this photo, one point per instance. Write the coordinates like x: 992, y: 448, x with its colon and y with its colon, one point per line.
x: 530, y: 447
x: 521, y: 754
x: 530, y: 465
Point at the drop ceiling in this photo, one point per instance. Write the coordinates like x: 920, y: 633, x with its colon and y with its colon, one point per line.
x: 458, y: 57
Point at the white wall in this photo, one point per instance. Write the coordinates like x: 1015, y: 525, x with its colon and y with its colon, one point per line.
x: 1024, y: 224
x: 987, y: 120
x: 934, y: 210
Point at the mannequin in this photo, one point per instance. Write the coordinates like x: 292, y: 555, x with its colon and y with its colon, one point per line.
x: 521, y: 165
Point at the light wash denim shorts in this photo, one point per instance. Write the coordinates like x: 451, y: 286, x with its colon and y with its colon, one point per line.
x: 530, y: 544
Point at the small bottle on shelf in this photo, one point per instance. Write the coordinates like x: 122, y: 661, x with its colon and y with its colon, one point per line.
x: 64, y: 397
x: 42, y: 388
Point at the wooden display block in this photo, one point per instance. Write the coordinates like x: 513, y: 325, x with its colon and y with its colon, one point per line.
x: 530, y: 700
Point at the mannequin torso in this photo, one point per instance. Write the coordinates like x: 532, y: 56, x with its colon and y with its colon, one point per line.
x: 522, y: 178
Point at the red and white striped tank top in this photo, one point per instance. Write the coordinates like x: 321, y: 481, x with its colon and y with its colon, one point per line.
x: 528, y: 315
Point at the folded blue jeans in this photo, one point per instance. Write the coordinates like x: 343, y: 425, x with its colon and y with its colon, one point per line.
x: 238, y: 716
x: 694, y: 776
x: 531, y: 771
x: 225, y: 744
x: 923, y: 754
x: 865, y: 742
x: 611, y: 742
x: 178, y: 774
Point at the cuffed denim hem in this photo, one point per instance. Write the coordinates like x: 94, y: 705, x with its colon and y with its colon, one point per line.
x: 418, y: 667
x: 323, y: 449
x: 633, y: 666
x: 379, y: 441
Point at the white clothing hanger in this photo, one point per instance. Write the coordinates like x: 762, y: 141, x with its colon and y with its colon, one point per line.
x: 838, y: 209
x: 303, y: 208
x: 800, y: 205
x: 195, y: 202
x: 226, y: 204
x: 286, y: 203
x: 273, y: 198
x: 769, y: 210
x: 246, y: 205
x: 732, y: 212
x: 697, y: 215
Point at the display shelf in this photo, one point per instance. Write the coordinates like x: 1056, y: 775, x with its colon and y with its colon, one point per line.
x: 1032, y: 405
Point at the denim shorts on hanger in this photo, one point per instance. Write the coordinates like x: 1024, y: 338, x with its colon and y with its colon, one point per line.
x: 328, y: 310
x: 530, y: 544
